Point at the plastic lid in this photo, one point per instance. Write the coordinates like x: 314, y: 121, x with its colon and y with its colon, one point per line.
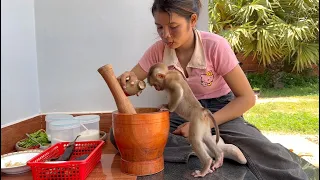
x: 62, y: 124
x: 51, y: 117
x: 85, y: 119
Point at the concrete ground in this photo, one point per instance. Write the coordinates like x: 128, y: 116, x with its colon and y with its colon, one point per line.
x: 299, y: 145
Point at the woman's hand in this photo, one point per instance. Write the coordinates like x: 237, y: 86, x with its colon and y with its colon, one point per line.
x: 137, y: 73
x: 127, y: 76
x: 128, y: 82
x: 182, y: 130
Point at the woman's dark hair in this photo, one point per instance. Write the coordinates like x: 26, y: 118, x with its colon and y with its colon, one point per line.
x: 184, y: 8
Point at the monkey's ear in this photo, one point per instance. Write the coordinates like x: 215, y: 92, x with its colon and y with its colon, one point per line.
x: 160, y: 75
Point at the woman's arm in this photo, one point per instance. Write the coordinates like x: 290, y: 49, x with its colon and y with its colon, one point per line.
x: 139, y: 72
x: 244, y: 97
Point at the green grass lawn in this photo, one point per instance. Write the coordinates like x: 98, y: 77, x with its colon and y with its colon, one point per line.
x: 287, y: 111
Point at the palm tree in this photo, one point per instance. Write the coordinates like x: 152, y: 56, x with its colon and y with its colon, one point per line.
x: 273, y: 31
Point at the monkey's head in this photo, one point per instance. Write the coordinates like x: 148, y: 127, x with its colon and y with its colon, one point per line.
x: 156, y: 76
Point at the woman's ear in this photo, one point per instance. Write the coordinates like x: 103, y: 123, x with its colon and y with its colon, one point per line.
x: 193, y: 20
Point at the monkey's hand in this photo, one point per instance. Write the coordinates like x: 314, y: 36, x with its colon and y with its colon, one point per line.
x: 164, y: 107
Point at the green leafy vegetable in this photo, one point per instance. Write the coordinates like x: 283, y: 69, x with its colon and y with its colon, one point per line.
x: 39, y: 136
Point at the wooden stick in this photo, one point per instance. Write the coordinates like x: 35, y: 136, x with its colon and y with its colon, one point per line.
x: 122, y: 101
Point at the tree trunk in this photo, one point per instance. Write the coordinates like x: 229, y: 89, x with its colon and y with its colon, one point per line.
x: 276, y: 73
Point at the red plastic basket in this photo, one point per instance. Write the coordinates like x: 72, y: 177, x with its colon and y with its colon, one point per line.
x: 71, y: 170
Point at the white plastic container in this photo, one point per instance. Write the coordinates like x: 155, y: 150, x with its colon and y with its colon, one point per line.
x: 89, y: 127
x: 64, y: 130
x: 54, y: 117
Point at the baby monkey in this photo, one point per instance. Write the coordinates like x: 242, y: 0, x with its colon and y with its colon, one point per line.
x: 183, y: 102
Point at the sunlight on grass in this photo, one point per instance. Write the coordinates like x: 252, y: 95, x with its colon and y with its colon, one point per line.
x: 299, y: 115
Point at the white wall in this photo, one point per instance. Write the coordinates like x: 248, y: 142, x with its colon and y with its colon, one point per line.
x: 203, y: 23
x: 76, y: 37
x: 19, y: 76
x: 61, y: 44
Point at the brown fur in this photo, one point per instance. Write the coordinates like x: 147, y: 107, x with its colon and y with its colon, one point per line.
x: 184, y: 103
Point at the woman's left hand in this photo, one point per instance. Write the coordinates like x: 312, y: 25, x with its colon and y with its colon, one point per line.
x: 182, y: 130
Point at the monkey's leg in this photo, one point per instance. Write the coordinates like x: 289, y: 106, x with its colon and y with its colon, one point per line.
x: 230, y: 151
x: 205, y: 159
x: 233, y: 152
x: 213, y: 147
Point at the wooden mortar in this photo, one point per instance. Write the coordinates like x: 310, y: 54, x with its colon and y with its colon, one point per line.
x: 141, y: 139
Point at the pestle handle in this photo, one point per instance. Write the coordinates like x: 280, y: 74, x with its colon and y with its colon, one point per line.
x: 122, y: 101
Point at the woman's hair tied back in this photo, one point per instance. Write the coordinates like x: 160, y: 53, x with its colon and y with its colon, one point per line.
x: 183, y: 8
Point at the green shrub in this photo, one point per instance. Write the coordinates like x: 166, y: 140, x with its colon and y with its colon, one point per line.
x: 272, y: 30
x: 259, y: 80
x: 294, y: 80
x: 288, y: 79
x: 307, y: 90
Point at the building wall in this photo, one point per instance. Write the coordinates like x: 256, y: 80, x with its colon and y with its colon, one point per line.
x: 19, y: 75
x: 76, y: 37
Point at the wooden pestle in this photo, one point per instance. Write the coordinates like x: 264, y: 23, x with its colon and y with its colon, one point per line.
x: 122, y: 101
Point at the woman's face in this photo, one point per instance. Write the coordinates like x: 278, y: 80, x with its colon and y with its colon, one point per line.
x: 174, y: 32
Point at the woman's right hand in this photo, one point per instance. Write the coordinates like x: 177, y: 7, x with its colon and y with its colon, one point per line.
x: 137, y: 73
x: 127, y: 76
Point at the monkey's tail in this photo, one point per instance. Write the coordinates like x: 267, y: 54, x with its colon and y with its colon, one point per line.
x: 215, y: 125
